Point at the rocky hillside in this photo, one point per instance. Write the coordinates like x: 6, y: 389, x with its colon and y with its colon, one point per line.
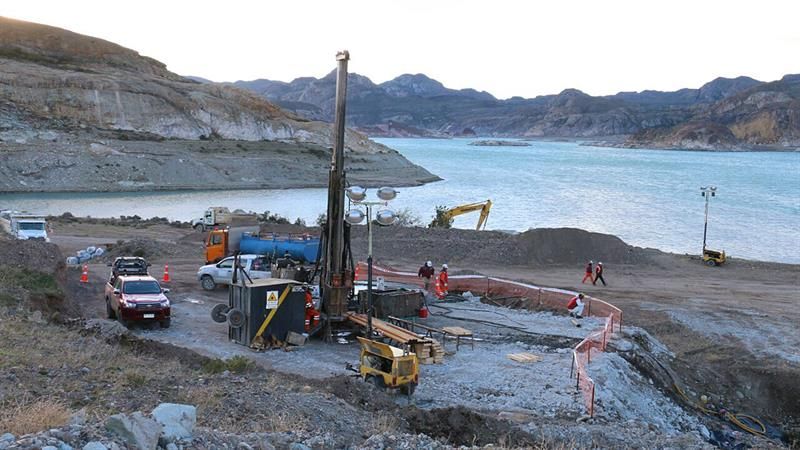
x: 74, y: 93
x: 712, y: 116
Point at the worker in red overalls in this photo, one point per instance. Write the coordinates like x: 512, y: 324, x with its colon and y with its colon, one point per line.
x: 588, y: 272
x: 312, y: 315
x: 441, y: 282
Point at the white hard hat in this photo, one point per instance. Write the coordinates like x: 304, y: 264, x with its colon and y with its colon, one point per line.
x: 444, y: 266
x: 428, y: 263
x: 599, y: 263
x: 590, y: 261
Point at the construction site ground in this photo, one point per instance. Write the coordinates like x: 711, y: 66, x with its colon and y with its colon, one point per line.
x: 731, y: 329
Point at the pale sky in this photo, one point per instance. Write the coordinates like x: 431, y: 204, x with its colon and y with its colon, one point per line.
x: 508, y: 48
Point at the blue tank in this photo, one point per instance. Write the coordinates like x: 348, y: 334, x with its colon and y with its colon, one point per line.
x: 303, y: 249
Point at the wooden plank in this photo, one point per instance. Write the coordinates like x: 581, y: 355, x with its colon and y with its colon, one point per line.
x: 524, y: 357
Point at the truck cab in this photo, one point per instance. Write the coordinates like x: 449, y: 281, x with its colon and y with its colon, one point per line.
x: 28, y: 227
x: 211, y: 275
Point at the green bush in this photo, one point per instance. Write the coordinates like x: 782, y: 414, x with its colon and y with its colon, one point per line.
x: 236, y: 364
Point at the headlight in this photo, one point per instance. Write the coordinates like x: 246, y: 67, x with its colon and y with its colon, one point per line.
x: 164, y: 303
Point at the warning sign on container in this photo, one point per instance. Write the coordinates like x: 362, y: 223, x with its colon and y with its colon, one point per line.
x: 272, y: 299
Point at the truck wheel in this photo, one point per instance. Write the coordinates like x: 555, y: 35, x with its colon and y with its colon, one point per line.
x: 408, y: 388
x: 377, y: 381
x: 711, y: 263
x: 208, y: 283
x: 166, y: 323
x: 200, y: 227
x: 109, y: 311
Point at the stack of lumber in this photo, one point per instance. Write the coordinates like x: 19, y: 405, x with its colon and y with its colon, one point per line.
x: 428, y: 350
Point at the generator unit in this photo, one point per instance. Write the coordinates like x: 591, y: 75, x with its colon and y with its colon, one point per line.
x: 277, y: 305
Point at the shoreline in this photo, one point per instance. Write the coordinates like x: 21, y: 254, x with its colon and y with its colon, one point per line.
x: 597, y: 141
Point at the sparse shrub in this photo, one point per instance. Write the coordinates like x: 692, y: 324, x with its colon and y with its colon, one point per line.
x: 268, y: 217
x: 406, y: 218
x: 300, y: 222
x: 23, y: 417
x: 442, y: 220
x: 321, y: 219
x: 236, y: 364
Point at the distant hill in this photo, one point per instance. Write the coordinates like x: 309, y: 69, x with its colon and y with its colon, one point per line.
x: 81, y: 105
x: 416, y: 105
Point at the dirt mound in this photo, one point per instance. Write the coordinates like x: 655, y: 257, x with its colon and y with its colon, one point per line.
x: 560, y: 246
x: 32, y: 255
x: 462, y: 426
x: 571, y: 245
x: 150, y: 249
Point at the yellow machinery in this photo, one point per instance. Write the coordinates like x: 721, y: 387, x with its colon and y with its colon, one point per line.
x: 388, y: 366
x: 483, y: 207
x: 713, y: 257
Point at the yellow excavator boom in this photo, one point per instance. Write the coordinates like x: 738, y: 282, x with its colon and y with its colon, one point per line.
x: 483, y: 207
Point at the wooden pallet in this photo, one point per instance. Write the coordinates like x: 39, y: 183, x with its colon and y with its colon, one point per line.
x: 428, y: 350
x: 524, y: 357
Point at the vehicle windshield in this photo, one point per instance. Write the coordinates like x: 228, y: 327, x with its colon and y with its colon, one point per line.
x: 141, y: 287
x: 38, y: 226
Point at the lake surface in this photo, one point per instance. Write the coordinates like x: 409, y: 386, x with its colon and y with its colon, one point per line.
x: 649, y: 198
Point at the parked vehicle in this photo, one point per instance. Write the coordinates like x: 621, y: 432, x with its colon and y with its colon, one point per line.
x: 222, y: 243
x: 211, y: 275
x: 28, y: 227
x: 218, y: 216
x: 136, y: 298
x: 128, y: 265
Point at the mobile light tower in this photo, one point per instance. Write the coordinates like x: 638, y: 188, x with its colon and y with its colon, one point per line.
x: 385, y: 217
x: 710, y: 257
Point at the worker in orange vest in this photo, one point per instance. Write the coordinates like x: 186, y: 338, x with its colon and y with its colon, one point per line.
x: 312, y: 315
x: 443, y: 280
x: 588, y: 272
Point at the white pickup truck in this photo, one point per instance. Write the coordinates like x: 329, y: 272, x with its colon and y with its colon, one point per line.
x: 211, y: 275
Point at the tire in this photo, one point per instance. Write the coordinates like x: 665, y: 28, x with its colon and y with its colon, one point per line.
x: 200, y: 227
x: 711, y: 263
x: 110, y: 312
x: 377, y: 381
x: 166, y: 323
x: 408, y: 388
x: 208, y: 283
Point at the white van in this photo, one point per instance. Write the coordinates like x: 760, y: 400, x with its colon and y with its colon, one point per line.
x: 29, y: 227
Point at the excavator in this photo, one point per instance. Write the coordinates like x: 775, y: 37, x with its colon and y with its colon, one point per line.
x: 483, y: 207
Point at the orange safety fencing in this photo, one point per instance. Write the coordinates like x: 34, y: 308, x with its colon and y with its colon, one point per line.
x: 533, y: 298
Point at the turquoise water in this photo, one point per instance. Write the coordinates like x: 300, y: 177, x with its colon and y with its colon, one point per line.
x: 649, y: 198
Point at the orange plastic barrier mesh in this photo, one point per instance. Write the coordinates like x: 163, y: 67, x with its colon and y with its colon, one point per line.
x: 534, y: 298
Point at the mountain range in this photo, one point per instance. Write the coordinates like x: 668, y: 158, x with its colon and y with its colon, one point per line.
x: 725, y: 113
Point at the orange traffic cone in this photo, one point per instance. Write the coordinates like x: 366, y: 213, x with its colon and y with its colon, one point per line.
x: 166, y: 273
x: 85, y: 274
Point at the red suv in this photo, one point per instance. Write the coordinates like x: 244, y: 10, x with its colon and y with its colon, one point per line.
x: 137, y: 298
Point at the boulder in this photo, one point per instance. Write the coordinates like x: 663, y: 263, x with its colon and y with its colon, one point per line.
x: 136, y: 430
x: 177, y: 420
x: 94, y: 445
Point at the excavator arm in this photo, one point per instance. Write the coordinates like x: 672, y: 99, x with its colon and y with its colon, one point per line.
x: 483, y: 207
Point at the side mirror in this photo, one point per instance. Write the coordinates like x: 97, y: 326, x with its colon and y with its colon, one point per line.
x: 116, y: 291
x: 165, y: 290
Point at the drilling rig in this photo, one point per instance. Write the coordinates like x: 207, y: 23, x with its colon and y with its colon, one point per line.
x: 336, y: 278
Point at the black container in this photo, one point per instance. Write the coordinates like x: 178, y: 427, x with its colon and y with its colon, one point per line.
x: 258, y: 299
